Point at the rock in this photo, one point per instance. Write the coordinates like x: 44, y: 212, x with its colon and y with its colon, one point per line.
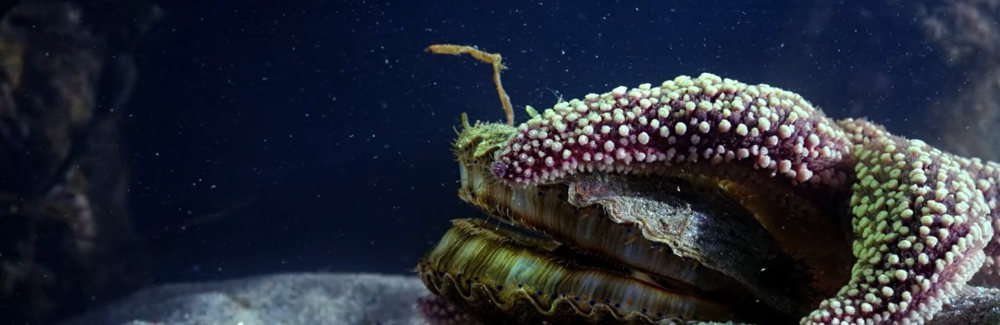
x: 976, y: 305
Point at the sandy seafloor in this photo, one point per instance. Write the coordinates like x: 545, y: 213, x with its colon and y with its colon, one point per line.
x: 347, y: 299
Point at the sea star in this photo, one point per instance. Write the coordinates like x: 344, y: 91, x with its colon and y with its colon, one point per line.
x: 924, y: 222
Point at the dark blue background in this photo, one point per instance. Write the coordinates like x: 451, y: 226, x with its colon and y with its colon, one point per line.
x: 319, y: 131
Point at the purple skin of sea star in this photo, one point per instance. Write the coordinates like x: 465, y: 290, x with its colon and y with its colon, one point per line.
x: 922, y: 218
x: 498, y: 169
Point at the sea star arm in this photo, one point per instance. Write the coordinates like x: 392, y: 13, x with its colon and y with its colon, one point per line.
x: 679, y: 123
x: 920, y: 224
x: 989, y: 275
x: 988, y: 181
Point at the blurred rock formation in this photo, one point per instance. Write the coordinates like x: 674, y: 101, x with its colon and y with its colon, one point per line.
x: 65, y: 74
x: 966, y: 34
